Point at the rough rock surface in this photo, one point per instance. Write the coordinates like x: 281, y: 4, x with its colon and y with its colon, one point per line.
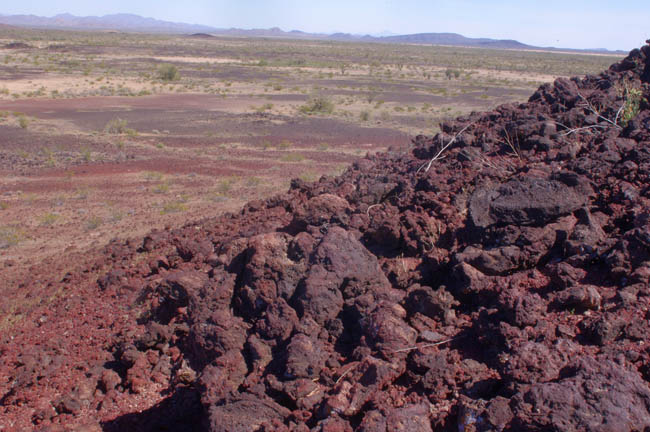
x: 505, y: 288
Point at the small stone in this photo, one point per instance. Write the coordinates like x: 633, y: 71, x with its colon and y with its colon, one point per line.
x: 109, y: 380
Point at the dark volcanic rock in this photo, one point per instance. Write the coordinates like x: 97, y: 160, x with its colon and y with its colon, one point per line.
x: 492, y: 291
x: 600, y: 396
x: 533, y: 202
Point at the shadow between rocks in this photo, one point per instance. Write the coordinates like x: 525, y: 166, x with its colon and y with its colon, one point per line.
x: 180, y: 412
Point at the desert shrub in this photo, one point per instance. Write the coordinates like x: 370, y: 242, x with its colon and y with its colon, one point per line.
x: 9, y: 236
x: 318, y: 104
x: 168, y: 72
x: 293, y: 157
x: 49, y: 219
x: 161, y: 188
x: 116, y: 126
x: 364, y: 116
x: 265, y: 107
x: 455, y: 73
x: 253, y: 181
x: 86, y: 154
x: 93, y: 223
x: 173, y: 207
x: 225, y: 186
x: 632, y: 107
x: 152, y: 175
x: 284, y: 144
x: 23, y: 122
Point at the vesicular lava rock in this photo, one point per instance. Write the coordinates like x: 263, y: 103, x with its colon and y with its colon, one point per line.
x: 493, y: 292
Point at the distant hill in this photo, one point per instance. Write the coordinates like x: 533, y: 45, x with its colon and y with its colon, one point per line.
x: 136, y: 23
x: 123, y: 22
x: 454, y: 39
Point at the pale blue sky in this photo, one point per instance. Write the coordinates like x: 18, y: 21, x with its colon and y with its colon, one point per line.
x: 622, y: 24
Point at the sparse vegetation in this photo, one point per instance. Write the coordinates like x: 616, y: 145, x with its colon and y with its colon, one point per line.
x: 284, y: 144
x: 49, y: 219
x: 318, y: 105
x: 173, y: 207
x: 9, y: 236
x: 93, y: 223
x: 23, y: 122
x: 161, y: 188
x: 152, y: 175
x: 118, y: 126
x: 632, y: 106
x: 293, y: 157
x: 225, y: 186
x: 168, y: 72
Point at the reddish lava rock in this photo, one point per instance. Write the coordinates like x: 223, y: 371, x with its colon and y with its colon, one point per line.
x: 503, y: 288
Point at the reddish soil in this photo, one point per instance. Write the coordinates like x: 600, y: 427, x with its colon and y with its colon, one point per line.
x: 496, y: 278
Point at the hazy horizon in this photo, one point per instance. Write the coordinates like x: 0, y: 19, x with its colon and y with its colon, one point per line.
x: 579, y: 24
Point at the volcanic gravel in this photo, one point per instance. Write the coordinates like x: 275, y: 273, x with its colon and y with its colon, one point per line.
x: 496, y: 278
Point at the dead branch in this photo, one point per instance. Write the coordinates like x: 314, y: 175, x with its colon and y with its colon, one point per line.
x: 368, y: 210
x: 591, y: 108
x: 344, y: 374
x: 570, y: 131
x: 425, y: 345
x: 438, y: 155
x: 511, y: 144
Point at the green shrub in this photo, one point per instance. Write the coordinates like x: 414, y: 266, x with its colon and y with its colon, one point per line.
x: 293, y: 157
x: 364, y: 116
x: 161, y: 188
x: 284, y: 144
x: 225, y: 186
x: 632, y: 107
x: 49, y: 219
x: 173, y: 207
x: 9, y: 236
x: 93, y: 223
x: 23, y: 122
x: 318, y: 104
x: 449, y: 73
x: 168, y: 72
x: 116, y: 126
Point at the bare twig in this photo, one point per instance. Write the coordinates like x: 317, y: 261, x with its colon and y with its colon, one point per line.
x: 511, y: 144
x: 425, y: 345
x: 570, y: 131
x: 618, y: 113
x: 591, y: 108
x: 368, y: 211
x: 438, y: 155
x: 502, y: 163
x: 344, y: 374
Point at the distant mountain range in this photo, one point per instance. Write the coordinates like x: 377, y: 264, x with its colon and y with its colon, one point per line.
x: 136, y: 23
